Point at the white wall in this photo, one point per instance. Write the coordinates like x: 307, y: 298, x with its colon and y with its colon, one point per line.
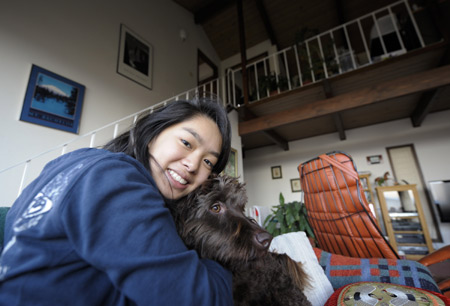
x: 236, y: 142
x: 79, y: 40
x: 431, y: 142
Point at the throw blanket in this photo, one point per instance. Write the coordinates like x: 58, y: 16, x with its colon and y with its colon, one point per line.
x: 342, y: 270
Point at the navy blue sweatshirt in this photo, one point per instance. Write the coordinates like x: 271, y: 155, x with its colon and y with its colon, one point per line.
x: 93, y: 229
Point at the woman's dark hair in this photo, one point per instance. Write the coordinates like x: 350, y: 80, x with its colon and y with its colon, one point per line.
x: 135, y: 141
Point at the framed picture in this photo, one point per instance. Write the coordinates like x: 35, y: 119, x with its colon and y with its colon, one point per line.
x: 52, y: 100
x: 276, y: 172
x: 374, y: 159
x: 295, y: 185
x: 135, y: 57
x: 231, y: 167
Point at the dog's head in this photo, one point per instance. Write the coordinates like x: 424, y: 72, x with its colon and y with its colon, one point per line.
x: 211, y: 220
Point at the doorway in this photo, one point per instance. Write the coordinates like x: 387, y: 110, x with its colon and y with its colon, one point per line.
x: 406, y: 170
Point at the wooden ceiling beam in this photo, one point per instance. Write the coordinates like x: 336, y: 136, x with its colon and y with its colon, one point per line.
x: 277, y: 139
x: 427, y: 100
x: 415, y: 83
x: 326, y: 84
x: 208, y: 11
x: 339, y: 126
x: 266, y: 21
x: 272, y: 135
x: 243, y: 49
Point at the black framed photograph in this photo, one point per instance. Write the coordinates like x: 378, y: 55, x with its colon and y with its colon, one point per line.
x: 295, y: 185
x: 231, y: 168
x: 135, y: 57
x: 276, y: 172
x: 52, y: 100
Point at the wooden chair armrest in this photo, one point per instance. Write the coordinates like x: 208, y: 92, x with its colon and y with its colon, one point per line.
x: 437, y: 256
x: 444, y: 286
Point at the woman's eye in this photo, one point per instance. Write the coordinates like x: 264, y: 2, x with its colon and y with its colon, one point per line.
x: 209, y: 163
x: 216, y: 208
x: 186, y: 143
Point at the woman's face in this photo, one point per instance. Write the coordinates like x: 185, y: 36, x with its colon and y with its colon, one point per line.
x: 184, y: 155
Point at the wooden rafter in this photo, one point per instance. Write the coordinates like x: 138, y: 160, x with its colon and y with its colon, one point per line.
x: 243, y: 49
x: 427, y: 100
x: 266, y: 21
x: 208, y: 11
x: 272, y: 135
x: 415, y: 83
x: 336, y: 116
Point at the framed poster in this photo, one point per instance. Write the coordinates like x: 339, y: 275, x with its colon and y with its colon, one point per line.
x: 231, y: 168
x: 52, y: 100
x: 135, y: 57
x: 295, y: 185
x: 276, y: 172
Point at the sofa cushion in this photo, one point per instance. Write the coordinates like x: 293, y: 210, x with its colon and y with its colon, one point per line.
x: 342, y: 270
x: 376, y: 293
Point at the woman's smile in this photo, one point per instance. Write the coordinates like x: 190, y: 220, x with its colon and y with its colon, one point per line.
x: 183, y: 156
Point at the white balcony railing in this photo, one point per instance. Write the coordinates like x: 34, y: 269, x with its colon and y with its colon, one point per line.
x: 347, y: 47
x: 344, y: 48
x: 15, y: 177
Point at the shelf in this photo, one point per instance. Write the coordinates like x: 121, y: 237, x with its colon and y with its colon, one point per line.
x: 404, y: 215
x: 408, y: 232
x: 411, y: 244
x: 404, y: 220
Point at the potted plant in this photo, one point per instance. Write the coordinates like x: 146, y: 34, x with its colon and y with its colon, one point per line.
x: 312, y: 59
x: 267, y: 83
x: 271, y: 83
x: 288, y: 217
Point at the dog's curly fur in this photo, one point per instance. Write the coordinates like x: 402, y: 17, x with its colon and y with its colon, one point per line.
x: 212, y: 221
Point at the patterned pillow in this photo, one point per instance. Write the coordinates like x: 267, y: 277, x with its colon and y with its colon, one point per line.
x: 342, y: 270
x: 375, y: 293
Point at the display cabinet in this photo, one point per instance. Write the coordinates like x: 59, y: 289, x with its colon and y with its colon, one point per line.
x: 404, y: 220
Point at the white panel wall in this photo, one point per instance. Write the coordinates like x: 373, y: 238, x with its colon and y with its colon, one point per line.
x: 431, y: 141
x: 79, y: 40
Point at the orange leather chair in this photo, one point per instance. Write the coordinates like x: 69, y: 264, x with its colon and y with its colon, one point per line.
x: 341, y: 219
x: 338, y: 210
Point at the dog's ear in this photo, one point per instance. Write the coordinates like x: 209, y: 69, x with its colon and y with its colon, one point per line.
x: 295, y: 270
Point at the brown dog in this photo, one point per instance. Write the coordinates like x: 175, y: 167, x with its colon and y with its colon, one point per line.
x: 212, y: 221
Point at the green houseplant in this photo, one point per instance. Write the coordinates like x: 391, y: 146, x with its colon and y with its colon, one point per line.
x: 312, y: 59
x: 271, y: 83
x: 288, y: 217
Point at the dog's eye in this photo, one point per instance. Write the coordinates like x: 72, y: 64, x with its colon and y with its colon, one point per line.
x: 216, y: 208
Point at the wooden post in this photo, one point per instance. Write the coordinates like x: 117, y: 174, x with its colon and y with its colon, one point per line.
x: 243, y: 50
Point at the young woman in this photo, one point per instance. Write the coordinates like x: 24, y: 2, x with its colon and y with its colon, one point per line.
x: 93, y: 228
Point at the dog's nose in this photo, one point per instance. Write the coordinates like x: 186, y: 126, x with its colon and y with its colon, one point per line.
x: 264, y: 239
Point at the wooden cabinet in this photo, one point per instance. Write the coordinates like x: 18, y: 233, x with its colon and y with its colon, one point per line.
x: 404, y: 220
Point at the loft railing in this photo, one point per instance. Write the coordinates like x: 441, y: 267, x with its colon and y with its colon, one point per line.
x: 14, y: 178
x: 344, y: 48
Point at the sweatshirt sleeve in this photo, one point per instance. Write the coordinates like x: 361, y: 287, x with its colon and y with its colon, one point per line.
x: 118, y: 223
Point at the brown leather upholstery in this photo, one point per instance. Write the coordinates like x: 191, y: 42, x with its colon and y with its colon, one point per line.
x: 338, y: 210
x: 439, y: 264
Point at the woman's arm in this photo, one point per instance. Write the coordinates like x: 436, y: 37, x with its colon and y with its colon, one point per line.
x: 117, y: 222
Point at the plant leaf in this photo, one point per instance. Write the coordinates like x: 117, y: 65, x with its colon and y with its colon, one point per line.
x: 281, y: 199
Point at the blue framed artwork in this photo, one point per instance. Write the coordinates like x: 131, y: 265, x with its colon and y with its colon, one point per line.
x: 53, y: 101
